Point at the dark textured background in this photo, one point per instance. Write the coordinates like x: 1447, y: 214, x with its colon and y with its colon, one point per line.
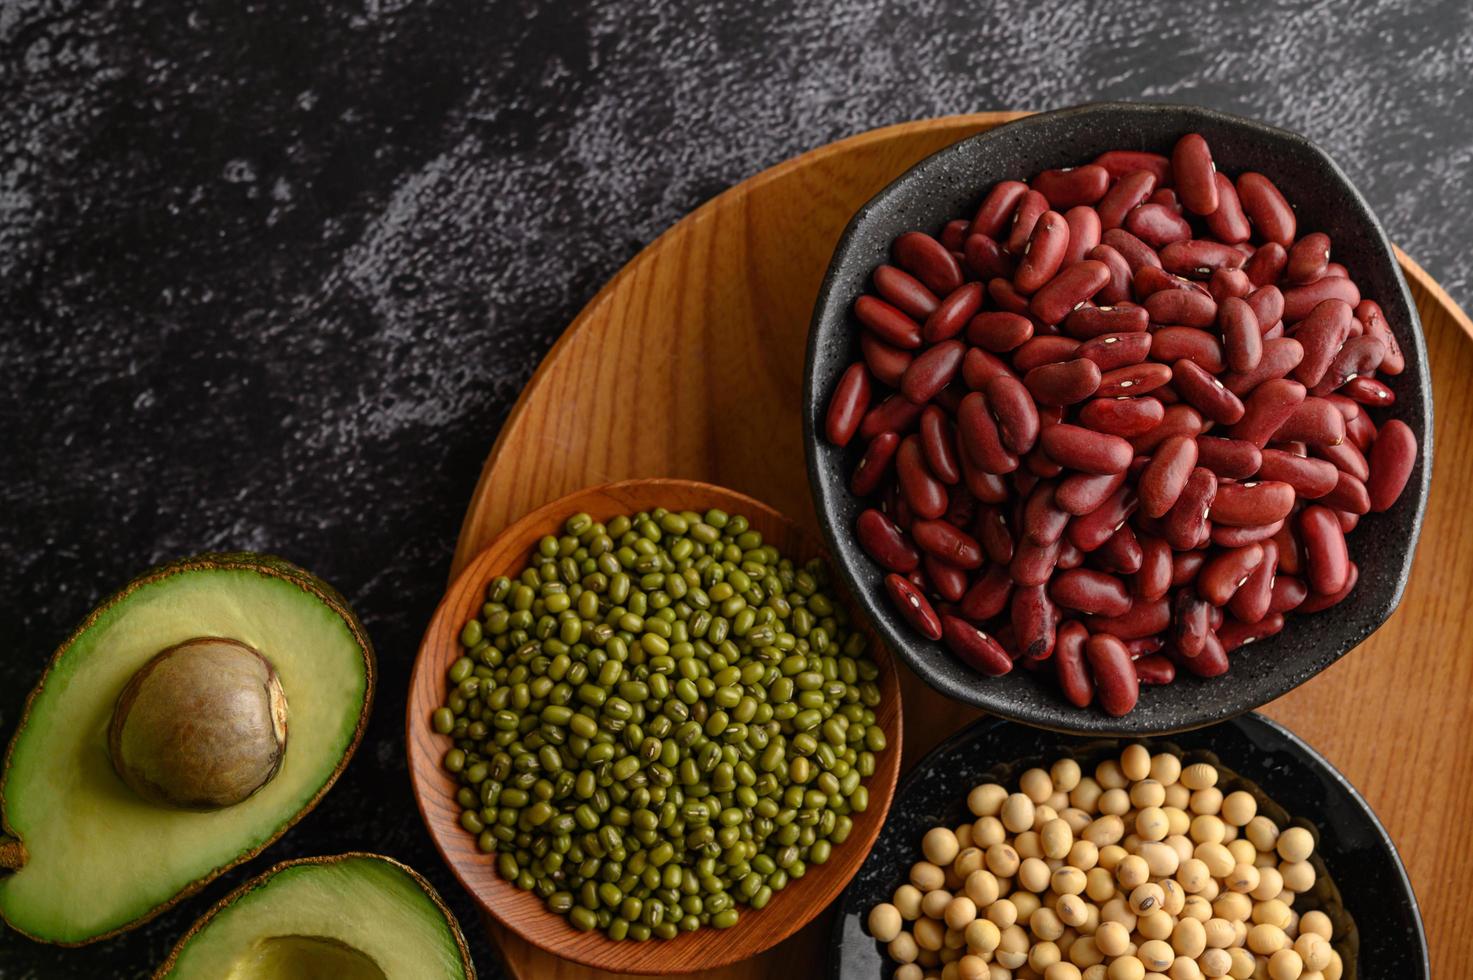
x: 272, y: 273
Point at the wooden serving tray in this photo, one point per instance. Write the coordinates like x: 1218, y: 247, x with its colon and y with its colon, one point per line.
x: 689, y: 363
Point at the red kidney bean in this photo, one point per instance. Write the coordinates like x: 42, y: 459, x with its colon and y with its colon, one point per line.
x: 995, y: 214
x: 1153, y: 579
x: 1083, y: 493
x: 1180, y: 420
x: 1031, y: 206
x: 1149, y: 280
x: 948, y: 543
x: 905, y: 292
x: 1033, y: 617
x: 1044, y: 350
x: 1327, y: 561
x: 1032, y: 564
x: 874, y: 465
x: 1316, y: 602
x: 1358, y: 356
x: 1199, y: 388
x: 913, y: 606
x: 932, y: 370
x: 895, y: 414
x: 938, y: 444
x: 1308, y: 258
x: 1080, y: 449
x: 1252, y: 504
x: 1155, y: 669
x: 1089, y: 591
x: 887, y: 323
x: 1191, y: 163
x: 1250, y: 602
x: 1166, y: 197
x: 887, y: 364
x: 1121, y: 552
x: 1346, y: 457
x: 1228, y: 223
x: 1171, y: 344
x: 1199, y: 258
x: 1069, y: 665
x: 1228, y: 459
x: 989, y: 488
x: 1228, y: 571
x: 1267, y: 303
x: 1181, y: 307
x: 1348, y: 521
x: 923, y: 493
x: 1310, y: 478
x: 1135, y: 379
x: 975, y: 648
x: 1084, y: 233
x: 1288, y: 593
x: 1072, y: 185
x: 980, y: 367
x: 1122, y: 416
x: 1088, y: 322
x: 1393, y: 455
x: 1184, y: 567
x: 1117, y: 289
x: 1236, y: 633
x: 999, y: 332
x: 1069, y: 290
x: 1229, y: 283
x: 1013, y: 408
x: 1300, y: 301
x: 1121, y: 163
x: 1316, y: 422
x: 990, y: 527
x: 1225, y: 536
x: 929, y: 261
x: 1369, y: 313
x: 1116, y: 350
x: 1157, y: 225
x: 1186, y: 521
x: 948, y: 582
x: 1129, y: 192
x: 1334, y: 270
x: 1043, y: 254
x: 987, y: 596
x: 848, y: 404
x: 1115, y: 679
x: 1211, y: 662
x: 954, y: 234
x: 985, y: 259
x: 1321, y: 334
x: 1369, y: 391
x: 1349, y: 496
x: 1065, y: 383
x: 960, y: 506
x: 1144, y: 619
x: 1043, y: 522
x: 981, y: 442
x: 1190, y: 622
x: 1090, y: 531
x: 1266, y: 208
x: 948, y: 319
x: 1137, y: 254
x: 1267, y: 264
x: 1005, y: 297
x: 1069, y: 556
x: 883, y: 541
x: 1281, y: 355
x: 1270, y: 405
x: 1242, y: 340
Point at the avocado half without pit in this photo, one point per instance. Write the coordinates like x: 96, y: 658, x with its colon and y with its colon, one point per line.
x: 188, y: 722
x: 352, y: 917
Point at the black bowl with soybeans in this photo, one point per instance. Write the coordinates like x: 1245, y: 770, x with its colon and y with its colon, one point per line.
x: 1233, y: 851
x: 1100, y: 398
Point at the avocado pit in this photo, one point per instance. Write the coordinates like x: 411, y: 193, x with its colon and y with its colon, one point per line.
x: 304, y: 958
x: 201, y: 726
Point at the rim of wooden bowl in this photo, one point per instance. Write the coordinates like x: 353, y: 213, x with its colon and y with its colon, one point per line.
x: 522, y: 911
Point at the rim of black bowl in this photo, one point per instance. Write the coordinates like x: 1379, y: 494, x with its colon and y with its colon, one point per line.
x: 1363, y: 904
x: 950, y: 183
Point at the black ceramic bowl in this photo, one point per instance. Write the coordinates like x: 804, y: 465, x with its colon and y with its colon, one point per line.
x: 950, y: 184
x: 1362, y: 885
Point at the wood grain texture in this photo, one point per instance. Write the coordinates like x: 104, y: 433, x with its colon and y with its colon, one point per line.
x: 522, y: 913
x: 689, y: 363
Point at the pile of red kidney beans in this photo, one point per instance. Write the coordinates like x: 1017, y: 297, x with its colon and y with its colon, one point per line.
x: 1117, y: 423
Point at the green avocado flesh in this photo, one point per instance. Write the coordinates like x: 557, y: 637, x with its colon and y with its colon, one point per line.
x: 357, y: 918
x: 98, y: 857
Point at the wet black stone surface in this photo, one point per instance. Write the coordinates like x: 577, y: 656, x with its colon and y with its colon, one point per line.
x: 272, y: 273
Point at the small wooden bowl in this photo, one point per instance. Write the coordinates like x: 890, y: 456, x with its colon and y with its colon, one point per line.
x: 523, y: 912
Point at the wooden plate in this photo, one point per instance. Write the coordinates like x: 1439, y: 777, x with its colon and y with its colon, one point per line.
x: 523, y: 913
x: 689, y: 363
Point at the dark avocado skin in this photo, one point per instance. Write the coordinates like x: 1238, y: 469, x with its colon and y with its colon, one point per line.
x: 12, y: 850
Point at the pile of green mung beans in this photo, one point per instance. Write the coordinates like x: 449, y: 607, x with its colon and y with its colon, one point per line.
x: 661, y: 718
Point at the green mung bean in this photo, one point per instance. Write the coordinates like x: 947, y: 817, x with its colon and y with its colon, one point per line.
x: 659, y: 720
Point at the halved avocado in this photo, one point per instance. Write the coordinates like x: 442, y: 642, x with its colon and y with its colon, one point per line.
x: 351, y: 917
x: 122, y: 792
